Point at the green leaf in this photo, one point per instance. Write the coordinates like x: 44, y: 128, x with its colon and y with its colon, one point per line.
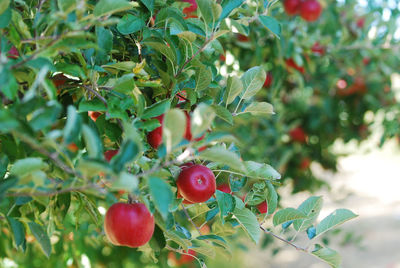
x: 27, y: 165
x: 249, y: 223
x: 73, y: 126
x: 215, y: 239
x: 163, y: 49
x: 156, y: 109
x: 261, y: 170
x: 223, y: 113
x: 228, y: 6
x: 41, y: 237
x: 149, y: 4
x: 203, y: 78
x: 94, y: 105
x: 233, y: 88
x: 259, y: 108
x: 205, y: 8
x: 174, y: 127
x: 128, y: 151
x: 7, y: 121
x: 226, y: 203
x: 130, y: 24
x: 18, y: 231
x: 161, y: 194
x: 9, y: 85
x: 334, y: 219
x: 4, y: 161
x: 201, y: 120
x: 271, y: 24
x: 224, y: 157
x: 272, y: 198
x: 126, y: 181
x: 327, y: 255
x: 93, y: 142
x: 108, y: 7
x: 4, y: 5
x: 45, y: 116
x: 287, y: 214
x: 5, y: 18
x: 7, y: 184
x: 311, y: 208
x: 253, y: 80
x: 177, y: 238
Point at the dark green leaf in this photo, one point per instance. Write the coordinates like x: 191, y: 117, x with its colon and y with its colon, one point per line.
x: 130, y: 24
x: 18, y: 231
x: 156, y: 109
x: 41, y: 237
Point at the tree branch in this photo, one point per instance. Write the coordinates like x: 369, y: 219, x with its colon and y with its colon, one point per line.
x: 283, y: 240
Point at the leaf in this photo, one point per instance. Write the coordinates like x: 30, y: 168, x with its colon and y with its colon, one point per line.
x: 223, y: 157
x: 163, y: 49
x: 92, y: 141
x: 334, y: 219
x: 223, y: 113
x: 94, y: 105
x: 4, y: 5
x: 156, y: 109
x: 125, y: 84
x: 205, y: 8
x: 261, y: 171
x: 9, y: 85
x: 130, y: 24
x: 73, y: 126
x: 311, y: 208
x: 177, y: 238
x: 228, y: 6
x: 271, y: 24
x: 272, y: 198
x: 233, y: 88
x: 226, y: 203
x: 27, y: 165
x: 125, y: 181
x: 41, y: 237
x: 287, y: 214
x: 108, y: 7
x: 249, y: 223
x: 328, y: 255
x: 128, y: 151
x: 161, y: 194
x: 174, y: 127
x: 149, y: 4
x: 18, y: 231
x: 5, y: 18
x: 253, y: 80
x: 7, y: 184
x: 259, y: 108
x: 203, y: 78
x: 201, y: 120
x: 4, y: 161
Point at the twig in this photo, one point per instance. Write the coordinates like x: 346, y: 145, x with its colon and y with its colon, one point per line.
x: 190, y: 219
x: 284, y: 240
x: 97, y: 94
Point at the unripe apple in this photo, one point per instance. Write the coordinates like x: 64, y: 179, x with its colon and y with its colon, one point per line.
x: 196, y: 183
x: 310, y: 10
x: 130, y: 225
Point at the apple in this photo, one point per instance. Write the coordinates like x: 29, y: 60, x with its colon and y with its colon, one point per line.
x: 297, y: 134
x: 310, y: 10
x: 291, y: 6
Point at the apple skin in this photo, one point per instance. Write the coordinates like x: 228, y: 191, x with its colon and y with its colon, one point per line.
x: 317, y: 48
x: 297, y: 134
x: 290, y: 63
x: 108, y: 155
x: 94, y: 115
x: 196, y: 183
x: 268, y: 80
x: 243, y: 38
x: 310, y: 10
x: 263, y: 207
x: 130, y: 225
x: 360, y: 23
x: 184, y: 259
x: 154, y: 138
x: 224, y: 188
x: 305, y: 163
x: 13, y: 53
x: 291, y: 7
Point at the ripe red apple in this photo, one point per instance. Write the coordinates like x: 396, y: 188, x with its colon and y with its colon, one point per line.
x: 298, y: 134
x: 268, y: 80
x: 183, y: 259
x: 360, y: 22
x: 13, y: 53
x: 366, y: 61
x: 94, y: 115
x: 196, y: 183
x: 318, y: 49
x: 263, y: 207
x: 154, y: 138
x: 291, y: 6
x: 290, y: 63
x: 72, y: 147
x: 108, y: 155
x: 305, y: 163
x: 243, y: 38
x: 130, y: 225
x: 222, y: 58
x: 188, y: 11
x: 224, y: 188
x: 310, y: 10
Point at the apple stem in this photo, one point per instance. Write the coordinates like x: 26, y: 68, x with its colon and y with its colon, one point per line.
x: 131, y: 199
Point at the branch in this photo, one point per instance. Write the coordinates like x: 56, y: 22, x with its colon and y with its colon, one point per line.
x: 284, y: 240
x: 97, y: 94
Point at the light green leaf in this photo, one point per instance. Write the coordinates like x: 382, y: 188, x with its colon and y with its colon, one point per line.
x: 130, y: 24
x: 260, y: 108
x: 126, y: 181
x: 287, y: 214
x: 92, y: 141
x: 334, y: 219
x: 271, y: 24
x: 125, y: 84
x: 41, y: 237
x: 272, y: 198
x: 226, y: 203
x: 311, y: 208
x: 224, y: 157
x: 4, y: 5
x: 27, y: 165
x: 73, y: 126
x: 249, y: 223
x: 253, y: 80
x: 233, y: 88
x: 223, y: 113
x: 201, y: 120
x: 206, y: 11
x: 189, y: 36
x: 203, y: 78
x: 161, y: 194
x: 108, y: 7
x: 174, y: 127
x: 261, y: 170
x: 327, y: 255
x: 176, y: 237
x: 156, y: 109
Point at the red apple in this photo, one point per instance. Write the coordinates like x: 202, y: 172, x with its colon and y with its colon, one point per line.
x: 291, y: 6
x: 297, y: 134
x: 310, y: 10
x: 224, y: 188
